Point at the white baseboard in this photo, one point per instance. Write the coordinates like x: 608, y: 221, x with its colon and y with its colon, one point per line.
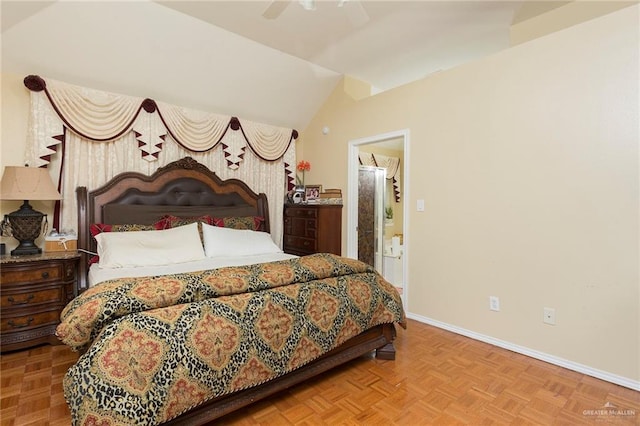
x: 580, y: 368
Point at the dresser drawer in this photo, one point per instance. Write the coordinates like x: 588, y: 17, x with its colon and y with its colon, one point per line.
x: 30, y: 298
x: 301, y: 212
x: 312, y: 229
x: 25, y: 322
x: 300, y: 227
x: 39, y: 274
x: 300, y: 243
x: 309, y: 230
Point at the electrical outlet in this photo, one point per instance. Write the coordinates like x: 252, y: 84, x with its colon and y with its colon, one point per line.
x: 494, y: 303
x: 549, y: 316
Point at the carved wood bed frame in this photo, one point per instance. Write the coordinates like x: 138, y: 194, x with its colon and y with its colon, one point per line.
x: 188, y: 188
x: 183, y: 188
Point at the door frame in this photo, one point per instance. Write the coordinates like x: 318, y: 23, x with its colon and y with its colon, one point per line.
x: 352, y: 198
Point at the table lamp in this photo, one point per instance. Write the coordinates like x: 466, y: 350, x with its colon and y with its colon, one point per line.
x: 25, y: 224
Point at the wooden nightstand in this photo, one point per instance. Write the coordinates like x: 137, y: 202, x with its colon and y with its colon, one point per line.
x: 310, y: 228
x: 35, y: 289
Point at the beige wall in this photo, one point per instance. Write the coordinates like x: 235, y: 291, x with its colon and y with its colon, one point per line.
x: 528, y: 163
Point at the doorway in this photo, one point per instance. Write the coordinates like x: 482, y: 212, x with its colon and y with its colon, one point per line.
x: 398, y: 141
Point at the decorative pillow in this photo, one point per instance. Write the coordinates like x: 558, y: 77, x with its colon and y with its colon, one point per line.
x: 169, y: 221
x: 236, y: 242
x: 97, y: 228
x: 252, y: 223
x: 149, y: 248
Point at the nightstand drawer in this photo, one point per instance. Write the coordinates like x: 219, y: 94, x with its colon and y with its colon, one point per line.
x: 29, y: 298
x: 37, y: 274
x: 34, y: 290
x: 24, y: 322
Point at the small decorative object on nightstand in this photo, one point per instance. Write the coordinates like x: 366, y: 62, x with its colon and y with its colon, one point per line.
x: 35, y: 289
x: 310, y: 228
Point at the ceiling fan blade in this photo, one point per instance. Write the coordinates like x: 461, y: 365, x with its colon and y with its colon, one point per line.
x: 355, y: 12
x: 275, y: 9
x: 308, y: 4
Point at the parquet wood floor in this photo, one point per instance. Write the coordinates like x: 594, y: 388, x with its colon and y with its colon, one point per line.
x: 438, y: 378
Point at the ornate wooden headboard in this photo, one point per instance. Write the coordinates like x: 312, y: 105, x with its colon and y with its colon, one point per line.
x: 183, y: 188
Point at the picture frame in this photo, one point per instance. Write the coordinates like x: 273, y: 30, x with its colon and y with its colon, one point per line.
x: 312, y: 192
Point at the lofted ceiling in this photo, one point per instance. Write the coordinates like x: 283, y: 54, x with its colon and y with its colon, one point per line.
x: 384, y: 43
x: 277, y: 71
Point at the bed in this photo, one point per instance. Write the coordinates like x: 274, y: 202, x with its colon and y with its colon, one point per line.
x: 237, y: 321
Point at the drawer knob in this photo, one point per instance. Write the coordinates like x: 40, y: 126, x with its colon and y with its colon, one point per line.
x: 306, y: 243
x: 21, y: 325
x: 45, y: 274
x: 20, y: 302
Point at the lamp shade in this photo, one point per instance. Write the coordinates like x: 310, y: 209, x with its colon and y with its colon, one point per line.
x: 27, y: 183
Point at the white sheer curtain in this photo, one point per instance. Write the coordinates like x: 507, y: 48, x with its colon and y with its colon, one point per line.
x: 91, y: 136
x: 123, y: 155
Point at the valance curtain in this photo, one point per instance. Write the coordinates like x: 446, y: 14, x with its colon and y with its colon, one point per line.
x: 86, y: 137
x: 391, y: 164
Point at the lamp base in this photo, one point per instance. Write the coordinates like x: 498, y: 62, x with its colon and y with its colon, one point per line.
x: 26, y: 225
x: 25, y: 249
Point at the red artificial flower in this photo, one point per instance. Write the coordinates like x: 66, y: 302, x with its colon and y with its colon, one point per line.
x: 304, y: 166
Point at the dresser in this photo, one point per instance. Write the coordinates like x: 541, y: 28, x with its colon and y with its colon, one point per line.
x: 35, y: 289
x: 312, y: 229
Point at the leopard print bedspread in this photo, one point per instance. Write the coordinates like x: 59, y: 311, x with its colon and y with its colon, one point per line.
x: 159, y: 346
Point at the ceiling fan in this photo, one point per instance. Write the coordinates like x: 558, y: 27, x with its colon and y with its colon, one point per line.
x: 353, y: 9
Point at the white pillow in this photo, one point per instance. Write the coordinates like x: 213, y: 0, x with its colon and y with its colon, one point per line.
x: 149, y: 248
x: 220, y: 241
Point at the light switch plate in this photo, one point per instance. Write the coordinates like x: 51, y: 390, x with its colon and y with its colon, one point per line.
x: 420, y: 205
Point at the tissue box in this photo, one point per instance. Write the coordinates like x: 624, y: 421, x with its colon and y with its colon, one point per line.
x: 60, y: 244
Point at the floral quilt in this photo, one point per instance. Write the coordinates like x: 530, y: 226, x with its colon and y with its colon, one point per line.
x: 159, y: 346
